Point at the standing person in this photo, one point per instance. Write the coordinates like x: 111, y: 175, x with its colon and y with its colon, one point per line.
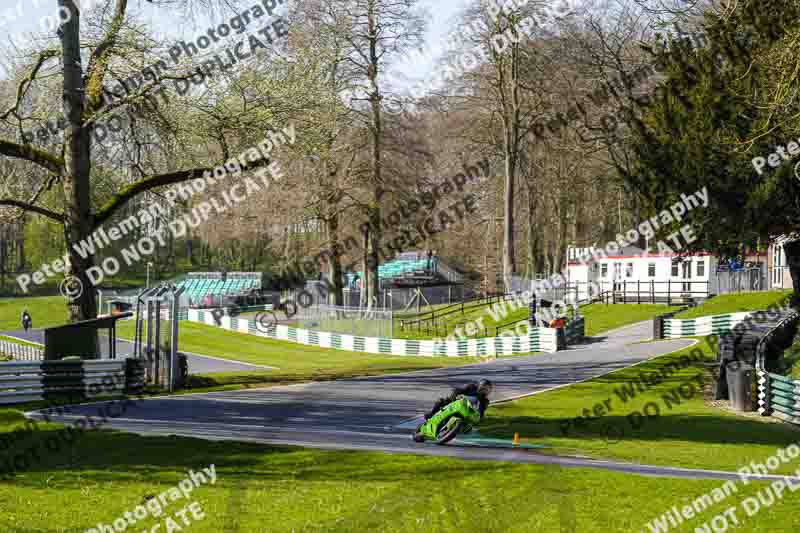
x: 26, y: 320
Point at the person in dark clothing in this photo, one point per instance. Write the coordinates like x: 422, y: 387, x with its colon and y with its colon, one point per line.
x: 481, y: 390
x: 26, y: 320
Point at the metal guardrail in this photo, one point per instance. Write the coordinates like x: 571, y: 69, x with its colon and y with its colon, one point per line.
x: 21, y: 352
x: 46, y: 380
x: 778, y: 396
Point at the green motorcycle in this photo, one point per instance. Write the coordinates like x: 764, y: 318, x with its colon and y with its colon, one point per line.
x: 459, y: 416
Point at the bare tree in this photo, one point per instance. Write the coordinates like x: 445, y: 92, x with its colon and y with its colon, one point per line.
x: 69, y: 164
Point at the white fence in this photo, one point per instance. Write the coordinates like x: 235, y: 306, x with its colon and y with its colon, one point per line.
x: 21, y: 352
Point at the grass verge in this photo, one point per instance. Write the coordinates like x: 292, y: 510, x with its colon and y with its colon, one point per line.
x: 293, y: 362
x: 681, y: 429
x: 599, y: 317
x: 104, y: 474
x: 602, y: 317
x: 19, y: 341
x: 737, y: 303
x: 45, y: 311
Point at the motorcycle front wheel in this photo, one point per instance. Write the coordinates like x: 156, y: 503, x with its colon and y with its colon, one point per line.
x: 449, y: 430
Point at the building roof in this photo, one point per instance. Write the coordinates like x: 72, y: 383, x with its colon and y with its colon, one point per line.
x: 634, y: 252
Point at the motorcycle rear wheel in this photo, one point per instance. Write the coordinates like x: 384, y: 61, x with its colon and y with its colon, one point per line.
x: 449, y: 430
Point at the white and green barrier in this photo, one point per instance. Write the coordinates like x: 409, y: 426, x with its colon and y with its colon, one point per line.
x: 778, y: 396
x: 539, y: 340
x: 676, y: 328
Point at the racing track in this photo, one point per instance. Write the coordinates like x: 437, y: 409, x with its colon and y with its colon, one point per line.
x: 375, y: 413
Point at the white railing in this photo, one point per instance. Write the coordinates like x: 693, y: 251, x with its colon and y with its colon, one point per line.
x: 20, y: 352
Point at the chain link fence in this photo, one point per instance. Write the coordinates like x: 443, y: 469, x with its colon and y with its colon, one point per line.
x: 346, y: 320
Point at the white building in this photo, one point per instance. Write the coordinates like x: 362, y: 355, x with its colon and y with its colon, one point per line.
x: 779, y: 277
x: 636, y: 275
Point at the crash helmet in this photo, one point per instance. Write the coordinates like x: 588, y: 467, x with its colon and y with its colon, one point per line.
x: 485, y: 387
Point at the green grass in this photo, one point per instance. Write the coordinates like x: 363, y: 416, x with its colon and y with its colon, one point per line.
x: 294, y: 362
x: 423, y: 309
x: 448, y: 323
x: 791, y: 358
x: 19, y: 341
x: 45, y: 311
x: 737, y: 303
x: 686, y: 433
x: 104, y: 474
x: 601, y: 317
x: 4, y: 357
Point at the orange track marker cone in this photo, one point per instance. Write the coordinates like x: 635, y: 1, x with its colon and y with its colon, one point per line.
x: 515, y: 442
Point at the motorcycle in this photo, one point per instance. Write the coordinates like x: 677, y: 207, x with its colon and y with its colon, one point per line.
x: 459, y: 416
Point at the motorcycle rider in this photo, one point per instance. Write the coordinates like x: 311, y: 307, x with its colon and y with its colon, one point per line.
x: 480, y: 390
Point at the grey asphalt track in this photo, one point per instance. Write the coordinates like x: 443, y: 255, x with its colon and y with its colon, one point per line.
x: 377, y: 413
x: 198, y: 363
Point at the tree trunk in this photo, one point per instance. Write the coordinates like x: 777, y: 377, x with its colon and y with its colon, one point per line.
x: 509, y: 255
x: 511, y: 134
x: 335, y: 297
x: 20, y: 267
x: 189, y: 252
x: 4, y: 237
x: 377, y: 179
x: 533, y: 236
x: 792, y: 251
x: 77, y: 140
x: 365, y: 272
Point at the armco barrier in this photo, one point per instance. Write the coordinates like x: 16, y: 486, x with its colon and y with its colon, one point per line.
x: 539, y: 340
x: 68, y: 380
x: 676, y: 328
x: 778, y: 396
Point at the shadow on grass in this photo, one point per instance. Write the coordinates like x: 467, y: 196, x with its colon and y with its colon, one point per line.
x: 107, y: 456
x: 622, y: 429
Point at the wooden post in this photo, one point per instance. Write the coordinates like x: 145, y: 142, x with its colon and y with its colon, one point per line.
x: 669, y: 292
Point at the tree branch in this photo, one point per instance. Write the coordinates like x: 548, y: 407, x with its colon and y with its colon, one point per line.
x: 25, y: 83
x: 98, y: 62
x: 153, y: 182
x: 32, y: 208
x: 34, y: 155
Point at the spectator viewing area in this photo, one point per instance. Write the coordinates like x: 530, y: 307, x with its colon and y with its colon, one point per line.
x: 208, y: 289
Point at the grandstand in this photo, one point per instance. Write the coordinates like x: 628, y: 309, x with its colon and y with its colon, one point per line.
x: 411, y: 269
x: 211, y: 288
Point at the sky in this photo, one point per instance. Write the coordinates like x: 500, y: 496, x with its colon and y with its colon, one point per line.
x: 16, y: 26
